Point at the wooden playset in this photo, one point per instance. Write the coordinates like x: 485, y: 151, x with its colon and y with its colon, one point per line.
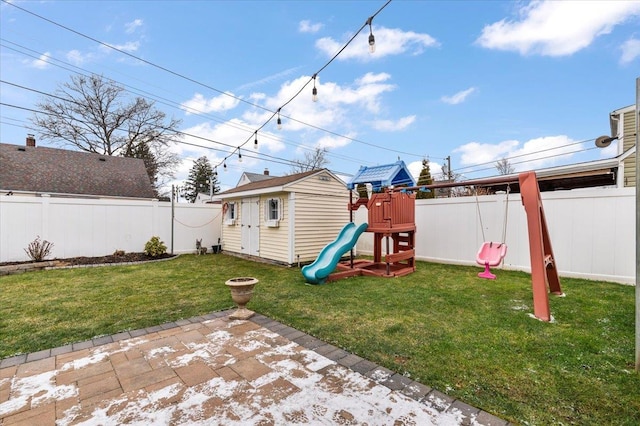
x: 391, y: 215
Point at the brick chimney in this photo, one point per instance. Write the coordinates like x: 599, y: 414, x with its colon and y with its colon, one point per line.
x: 266, y: 172
x: 31, y: 140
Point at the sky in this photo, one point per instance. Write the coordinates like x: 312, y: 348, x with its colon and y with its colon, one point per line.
x: 470, y: 82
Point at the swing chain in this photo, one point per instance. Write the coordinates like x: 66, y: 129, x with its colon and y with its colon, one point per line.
x: 475, y: 190
x: 506, y: 216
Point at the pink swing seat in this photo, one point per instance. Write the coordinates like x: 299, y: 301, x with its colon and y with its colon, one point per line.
x: 490, y: 254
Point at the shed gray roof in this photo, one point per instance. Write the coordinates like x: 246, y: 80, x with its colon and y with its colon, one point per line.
x: 60, y: 171
x: 378, y: 176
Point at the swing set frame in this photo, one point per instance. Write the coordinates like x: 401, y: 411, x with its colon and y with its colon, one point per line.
x: 544, y: 272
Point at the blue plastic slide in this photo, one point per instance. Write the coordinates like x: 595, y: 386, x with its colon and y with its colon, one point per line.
x: 318, y: 271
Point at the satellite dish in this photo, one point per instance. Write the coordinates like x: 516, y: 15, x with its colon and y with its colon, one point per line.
x: 604, y: 141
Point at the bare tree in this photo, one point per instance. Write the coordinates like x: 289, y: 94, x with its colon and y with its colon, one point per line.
x: 449, y: 176
x: 312, y: 161
x: 504, y: 167
x: 94, y: 114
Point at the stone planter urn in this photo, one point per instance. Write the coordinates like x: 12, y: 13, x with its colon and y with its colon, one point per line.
x: 241, y: 292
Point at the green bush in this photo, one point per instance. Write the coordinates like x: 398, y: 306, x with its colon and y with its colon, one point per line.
x: 155, y: 247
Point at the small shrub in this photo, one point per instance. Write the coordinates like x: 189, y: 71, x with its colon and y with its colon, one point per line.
x: 155, y: 247
x: 118, y: 253
x: 38, y: 249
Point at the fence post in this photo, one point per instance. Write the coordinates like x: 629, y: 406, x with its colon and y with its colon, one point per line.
x: 46, y: 199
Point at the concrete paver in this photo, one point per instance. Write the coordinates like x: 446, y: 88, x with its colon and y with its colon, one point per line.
x: 213, y: 370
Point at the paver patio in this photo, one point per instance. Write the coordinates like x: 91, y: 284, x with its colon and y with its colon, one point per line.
x: 214, y: 371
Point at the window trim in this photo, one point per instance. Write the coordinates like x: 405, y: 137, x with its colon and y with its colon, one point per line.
x: 231, y: 213
x: 269, y: 222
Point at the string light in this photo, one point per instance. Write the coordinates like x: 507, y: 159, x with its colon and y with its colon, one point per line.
x: 314, y: 92
x: 279, y: 121
x: 255, y: 141
x: 224, y: 166
x: 372, y: 39
x: 239, y: 156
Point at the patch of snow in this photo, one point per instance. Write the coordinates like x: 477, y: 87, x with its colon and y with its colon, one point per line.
x: 79, y: 363
x: 38, y: 389
x: 154, y: 353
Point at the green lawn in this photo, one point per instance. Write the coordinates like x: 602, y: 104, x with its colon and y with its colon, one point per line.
x: 469, y: 338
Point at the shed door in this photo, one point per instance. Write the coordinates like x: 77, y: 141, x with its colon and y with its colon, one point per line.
x: 250, y: 221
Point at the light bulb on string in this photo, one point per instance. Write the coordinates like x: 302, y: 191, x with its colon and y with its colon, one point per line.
x: 314, y: 91
x: 279, y: 120
x: 239, y: 156
x: 372, y: 39
x: 225, y: 166
x: 255, y: 141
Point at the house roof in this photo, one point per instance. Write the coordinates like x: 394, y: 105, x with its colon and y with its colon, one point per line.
x: 275, y: 184
x: 581, y: 175
x: 384, y: 175
x: 60, y: 171
x: 255, y: 177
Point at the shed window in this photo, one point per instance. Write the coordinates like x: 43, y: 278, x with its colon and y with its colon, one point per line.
x: 273, y: 211
x: 230, y: 214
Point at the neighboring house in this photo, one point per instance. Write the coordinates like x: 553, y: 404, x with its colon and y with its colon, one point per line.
x: 31, y: 170
x: 248, y: 177
x: 202, y: 198
x: 616, y: 172
x: 623, y: 126
x: 286, y: 219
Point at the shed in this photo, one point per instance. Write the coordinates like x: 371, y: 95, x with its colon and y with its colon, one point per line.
x: 286, y: 219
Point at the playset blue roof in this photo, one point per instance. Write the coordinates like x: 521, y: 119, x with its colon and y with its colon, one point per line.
x: 379, y: 176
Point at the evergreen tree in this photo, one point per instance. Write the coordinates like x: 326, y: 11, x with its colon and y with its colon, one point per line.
x: 425, y: 179
x: 143, y: 151
x: 362, y: 190
x: 198, y: 181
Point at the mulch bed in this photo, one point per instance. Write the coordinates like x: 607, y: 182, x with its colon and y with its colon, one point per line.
x: 112, y: 258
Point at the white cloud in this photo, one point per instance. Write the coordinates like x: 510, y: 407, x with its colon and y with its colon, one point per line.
x: 332, y: 142
x: 331, y: 110
x: 42, y: 61
x: 630, y: 50
x: 389, y: 41
x: 199, y: 105
x: 459, y: 97
x: 130, y: 27
x: 533, y: 154
x: 233, y: 130
x: 557, y: 28
x: 78, y: 58
x: 392, y: 126
x: 130, y: 46
x: 415, y: 167
x: 307, y: 27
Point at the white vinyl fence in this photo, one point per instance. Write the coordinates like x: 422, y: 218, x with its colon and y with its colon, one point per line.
x: 98, y: 227
x: 592, y: 231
